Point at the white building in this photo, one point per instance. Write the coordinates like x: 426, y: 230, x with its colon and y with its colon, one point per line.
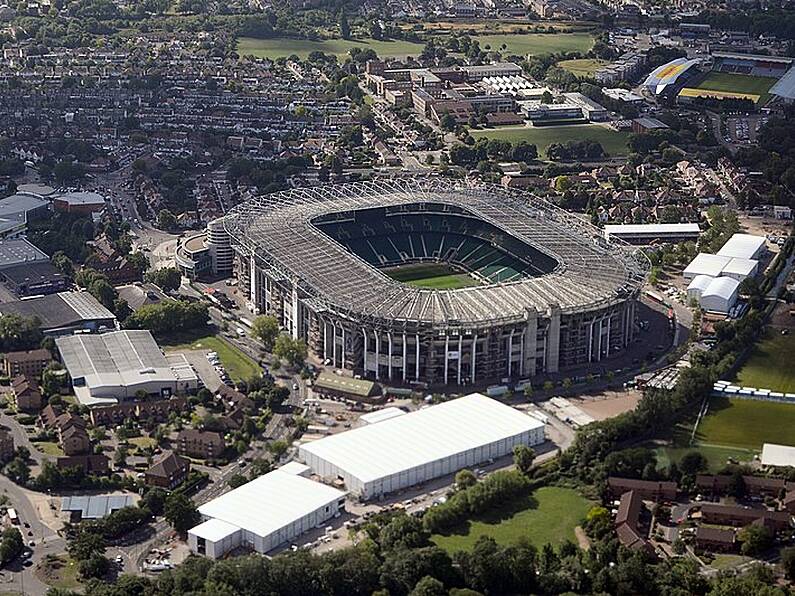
x: 720, y: 295
x: 706, y: 264
x: 739, y: 269
x: 402, y: 451
x: 781, y: 456
x: 697, y: 286
x: 743, y: 246
x: 264, y: 513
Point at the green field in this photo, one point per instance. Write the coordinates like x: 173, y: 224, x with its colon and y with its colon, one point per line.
x: 746, y: 423
x: 522, y: 44
x: 284, y: 47
x: 584, y: 67
x: 434, y: 276
x: 737, y: 83
x: 771, y: 364
x: 717, y: 456
x: 549, y: 515
x: 239, y: 366
x: 48, y: 448
x: 614, y: 142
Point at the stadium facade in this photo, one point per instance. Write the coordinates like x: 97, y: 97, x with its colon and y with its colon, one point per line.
x: 552, y: 292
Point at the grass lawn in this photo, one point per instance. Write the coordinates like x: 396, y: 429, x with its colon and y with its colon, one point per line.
x: 432, y: 276
x: 550, y: 514
x: 746, y: 423
x: 522, y: 44
x: 142, y: 442
x: 58, y: 572
x: 717, y: 456
x: 770, y: 365
x: 239, y: 366
x: 584, y: 67
x: 614, y: 142
x: 724, y: 561
x: 283, y: 47
x: 49, y: 448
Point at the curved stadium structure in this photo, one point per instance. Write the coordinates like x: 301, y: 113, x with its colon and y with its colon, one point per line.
x: 435, y: 281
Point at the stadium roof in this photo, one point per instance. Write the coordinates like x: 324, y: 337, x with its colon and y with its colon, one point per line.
x: 742, y: 246
x: 96, y: 506
x: 427, y: 435
x: 278, y: 230
x: 778, y: 455
x: 119, y: 358
x: 18, y: 251
x: 268, y: 503
x: 753, y: 57
x: 668, y: 74
x: 785, y: 86
x: 56, y: 311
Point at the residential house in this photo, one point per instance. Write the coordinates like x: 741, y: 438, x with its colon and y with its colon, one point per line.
x: 653, y: 490
x: 715, y: 539
x: 734, y: 515
x: 203, y: 444
x: 26, y: 394
x: 49, y: 416
x: 96, y: 464
x: 74, y: 440
x: 169, y: 472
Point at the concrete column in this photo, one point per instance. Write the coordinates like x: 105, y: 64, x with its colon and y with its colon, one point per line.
x: 510, y: 352
x: 522, y: 340
x: 446, y: 352
x: 334, y: 344
x: 252, y: 278
x: 343, y: 347
x: 389, y: 364
x: 405, y: 358
x: 417, y: 361
x: 474, y: 353
x: 609, y: 323
x: 325, y: 338
x: 460, y: 346
x: 364, y: 352
x: 553, y: 339
x: 296, y: 321
x: 377, y: 354
x: 599, y: 342
x: 590, y: 341
x: 530, y: 342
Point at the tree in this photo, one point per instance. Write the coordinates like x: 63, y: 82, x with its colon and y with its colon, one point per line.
x: 166, y: 278
x: 755, y: 539
x: 96, y: 566
x: 345, y: 28
x: 692, y: 463
x: 166, y: 220
x: 788, y: 562
x: 237, y: 480
x: 85, y: 545
x: 154, y: 500
x: 138, y: 261
x: 546, y: 97
x: 18, y: 470
x: 429, y: 586
x: 293, y: 351
x: 103, y: 292
x: 11, y: 545
x: 265, y: 328
x: 181, y: 513
x: 465, y: 479
x: 63, y: 263
x: 523, y: 457
x: 278, y: 448
x: 120, y: 457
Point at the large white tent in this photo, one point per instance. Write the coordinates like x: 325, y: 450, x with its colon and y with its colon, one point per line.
x: 387, y: 456
x: 720, y: 295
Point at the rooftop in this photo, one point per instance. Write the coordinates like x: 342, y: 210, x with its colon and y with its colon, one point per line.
x: 96, y: 506
x: 707, y: 264
x: 427, y: 435
x: 60, y: 310
x: 330, y: 381
x: 269, y: 503
x: 674, y: 228
x: 19, y: 251
x: 81, y: 198
x: 742, y: 246
x: 778, y: 455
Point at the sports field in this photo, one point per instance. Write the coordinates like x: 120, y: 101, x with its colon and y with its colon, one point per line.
x: 522, y: 44
x: 284, y: 47
x: 549, y: 515
x: 729, y: 84
x: 746, y: 423
x: 434, y: 276
x: 614, y: 142
x: 771, y: 364
x: 584, y: 67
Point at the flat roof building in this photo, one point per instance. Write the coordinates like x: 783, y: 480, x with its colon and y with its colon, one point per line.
x: 115, y: 366
x: 264, y: 513
x: 720, y: 295
x: 743, y: 246
x: 19, y: 251
x: 782, y: 456
x: 94, y: 506
x: 381, y: 458
x: 706, y: 264
x: 64, y: 313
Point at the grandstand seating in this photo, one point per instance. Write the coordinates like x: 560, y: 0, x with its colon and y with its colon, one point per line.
x: 384, y: 238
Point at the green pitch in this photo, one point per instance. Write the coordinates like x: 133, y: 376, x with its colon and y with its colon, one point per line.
x: 737, y: 83
x: 747, y: 423
x: 614, y: 142
x: 770, y: 365
x: 522, y: 44
x: 283, y: 47
x: 433, y: 276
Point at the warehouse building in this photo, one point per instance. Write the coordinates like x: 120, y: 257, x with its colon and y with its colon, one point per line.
x: 720, y: 295
x: 265, y: 513
x: 64, y: 313
x: 402, y: 451
x: 743, y: 246
x: 116, y: 366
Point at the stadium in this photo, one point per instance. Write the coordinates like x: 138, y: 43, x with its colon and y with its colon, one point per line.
x: 436, y: 282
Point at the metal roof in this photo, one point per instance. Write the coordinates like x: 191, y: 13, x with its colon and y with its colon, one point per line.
x: 742, y: 246
x: 427, y: 435
x: 707, y: 264
x: 269, y: 502
x: 700, y: 282
x: 360, y: 387
x: 96, y: 506
x: 592, y: 272
x: 668, y: 74
x: 722, y: 287
x: 778, y: 455
x: 214, y: 530
x: 785, y: 86
x: 672, y: 228
x: 18, y: 251
x: 64, y: 309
